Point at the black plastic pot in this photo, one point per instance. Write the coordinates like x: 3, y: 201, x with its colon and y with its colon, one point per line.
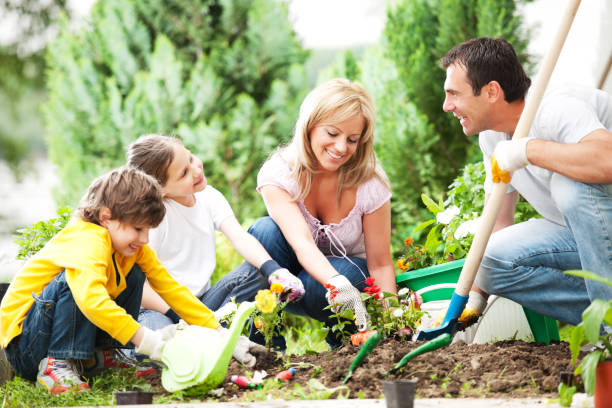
x: 134, y: 397
x: 3, y: 288
x: 400, y: 393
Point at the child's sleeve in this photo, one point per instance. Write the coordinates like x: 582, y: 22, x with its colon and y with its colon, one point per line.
x: 177, y: 296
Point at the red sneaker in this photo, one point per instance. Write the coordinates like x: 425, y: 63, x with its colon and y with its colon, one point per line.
x: 59, y: 376
x: 108, y: 358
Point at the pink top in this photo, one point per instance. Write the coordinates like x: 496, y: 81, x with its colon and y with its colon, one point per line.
x: 338, y: 239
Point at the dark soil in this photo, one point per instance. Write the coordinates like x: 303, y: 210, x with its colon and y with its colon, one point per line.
x: 506, y: 369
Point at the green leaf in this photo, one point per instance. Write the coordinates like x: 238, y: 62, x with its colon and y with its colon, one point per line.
x: 589, y: 275
x: 423, y: 225
x: 566, y: 394
x: 431, y: 204
x: 588, y: 367
x: 593, y: 317
x: 576, y: 339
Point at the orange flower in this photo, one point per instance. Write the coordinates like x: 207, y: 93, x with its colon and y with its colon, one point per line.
x: 276, y: 288
x: 402, y: 264
x: 258, y: 323
x: 408, y: 241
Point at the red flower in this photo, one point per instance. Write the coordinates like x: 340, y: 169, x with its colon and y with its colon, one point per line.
x: 369, y: 281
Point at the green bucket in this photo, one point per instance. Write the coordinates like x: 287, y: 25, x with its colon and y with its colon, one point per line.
x: 433, y: 275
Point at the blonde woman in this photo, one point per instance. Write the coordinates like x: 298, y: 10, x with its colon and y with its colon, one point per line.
x: 328, y: 203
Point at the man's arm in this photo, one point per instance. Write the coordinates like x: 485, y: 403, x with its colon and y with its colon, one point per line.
x: 587, y: 161
x: 506, y: 213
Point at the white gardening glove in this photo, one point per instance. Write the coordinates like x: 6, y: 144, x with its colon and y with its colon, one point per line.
x: 226, y: 309
x: 342, y: 293
x: 511, y: 155
x: 151, y: 344
x: 244, y: 348
x: 293, y: 288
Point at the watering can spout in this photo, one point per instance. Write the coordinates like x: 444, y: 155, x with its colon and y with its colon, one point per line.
x: 199, y: 356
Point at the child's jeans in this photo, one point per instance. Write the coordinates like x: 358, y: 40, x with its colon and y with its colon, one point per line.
x: 243, y: 283
x: 56, y: 327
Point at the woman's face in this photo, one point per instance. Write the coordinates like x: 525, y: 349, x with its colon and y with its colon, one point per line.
x: 334, y: 144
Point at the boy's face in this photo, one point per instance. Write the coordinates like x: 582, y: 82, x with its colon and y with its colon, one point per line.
x: 471, y: 110
x: 185, y: 177
x: 126, y: 238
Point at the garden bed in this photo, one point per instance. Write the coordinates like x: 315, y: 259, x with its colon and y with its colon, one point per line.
x: 506, y: 369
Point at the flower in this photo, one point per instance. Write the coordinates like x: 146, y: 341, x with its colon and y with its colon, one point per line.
x: 467, y: 227
x: 404, y: 332
x: 276, y: 288
x: 258, y: 323
x: 444, y: 217
x: 403, y: 291
x: 369, y: 281
x: 398, y: 312
x: 408, y: 241
x: 266, y: 301
x: 333, y: 292
x: 402, y: 264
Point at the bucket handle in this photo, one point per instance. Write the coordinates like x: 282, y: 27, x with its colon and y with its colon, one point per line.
x: 436, y: 287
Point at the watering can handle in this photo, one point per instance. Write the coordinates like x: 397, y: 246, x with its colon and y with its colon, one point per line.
x: 436, y: 287
x: 494, y: 204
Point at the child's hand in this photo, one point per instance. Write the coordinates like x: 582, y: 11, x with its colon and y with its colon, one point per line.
x: 151, y: 344
x: 293, y: 288
x: 244, y: 350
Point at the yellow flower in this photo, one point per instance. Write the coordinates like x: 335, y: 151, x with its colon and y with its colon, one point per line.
x: 402, y: 264
x: 266, y: 301
x: 276, y: 288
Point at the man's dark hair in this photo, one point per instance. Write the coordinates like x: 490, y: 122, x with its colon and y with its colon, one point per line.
x: 488, y: 59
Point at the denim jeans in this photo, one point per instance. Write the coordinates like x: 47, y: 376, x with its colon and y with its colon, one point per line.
x: 55, y: 326
x: 525, y: 262
x: 241, y: 283
x: 313, y: 303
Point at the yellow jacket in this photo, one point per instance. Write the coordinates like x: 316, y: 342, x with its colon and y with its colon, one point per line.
x: 85, y: 251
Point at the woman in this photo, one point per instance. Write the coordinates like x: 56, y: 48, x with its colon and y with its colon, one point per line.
x: 328, y: 201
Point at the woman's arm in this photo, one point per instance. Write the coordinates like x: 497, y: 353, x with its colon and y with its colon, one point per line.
x: 377, y: 236
x: 285, y: 212
x: 247, y: 245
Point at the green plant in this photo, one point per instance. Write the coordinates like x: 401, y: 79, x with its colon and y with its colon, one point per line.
x: 34, y: 237
x: 269, y: 313
x: 588, y: 332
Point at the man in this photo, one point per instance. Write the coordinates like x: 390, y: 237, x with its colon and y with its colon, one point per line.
x: 563, y: 169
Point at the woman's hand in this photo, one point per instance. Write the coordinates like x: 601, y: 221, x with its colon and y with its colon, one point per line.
x: 343, y: 294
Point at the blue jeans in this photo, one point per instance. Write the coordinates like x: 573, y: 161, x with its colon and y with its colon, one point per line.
x: 241, y: 283
x: 313, y: 303
x: 525, y: 262
x: 55, y: 326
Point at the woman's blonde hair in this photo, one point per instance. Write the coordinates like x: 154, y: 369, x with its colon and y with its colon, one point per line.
x: 333, y: 102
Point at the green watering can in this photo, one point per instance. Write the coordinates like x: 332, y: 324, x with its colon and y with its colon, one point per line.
x: 200, y: 356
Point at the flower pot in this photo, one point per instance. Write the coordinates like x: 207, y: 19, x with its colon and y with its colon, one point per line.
x: 444, y: 273
x: 3, y: 288
x: 400, y: 393
x: 603, y: 385
x: 134, y: 397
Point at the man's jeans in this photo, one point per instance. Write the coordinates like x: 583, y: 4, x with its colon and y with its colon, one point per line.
x: 243, y: 283
x: 525, y: 262
x: 56, y: 327
x: 313, y: 303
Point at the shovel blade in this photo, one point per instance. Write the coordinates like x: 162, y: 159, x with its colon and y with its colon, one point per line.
x: 449, y: 324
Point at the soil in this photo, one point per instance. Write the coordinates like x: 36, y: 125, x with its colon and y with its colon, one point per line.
x: 506, y: 369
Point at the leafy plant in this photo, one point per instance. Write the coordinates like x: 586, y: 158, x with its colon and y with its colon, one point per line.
x: 589, y: 332
x: 344, y: 317
x: 33, y: 238
x: 269, y: 313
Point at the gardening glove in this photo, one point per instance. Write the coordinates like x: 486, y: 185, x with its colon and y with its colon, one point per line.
x: 151, y: 344
x: 293, y: 288
x: 511, y: 155
x: 226, y: 309
x: 244, y: 349
x: 341, y: 292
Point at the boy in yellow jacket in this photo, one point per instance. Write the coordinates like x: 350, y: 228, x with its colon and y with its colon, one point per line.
x: 80, y: 295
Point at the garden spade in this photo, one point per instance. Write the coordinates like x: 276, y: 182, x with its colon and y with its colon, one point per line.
x: 199, y: 356
x: 494, y: 203
x: 442, y: 340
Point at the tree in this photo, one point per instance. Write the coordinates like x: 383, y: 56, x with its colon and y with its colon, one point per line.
x: 422, y: 148
x: 225, y: 76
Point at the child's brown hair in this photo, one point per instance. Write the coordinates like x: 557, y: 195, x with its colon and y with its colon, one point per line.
x: 153, y: 154
x: 131, y: 195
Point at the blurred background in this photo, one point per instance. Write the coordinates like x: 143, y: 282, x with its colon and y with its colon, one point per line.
x: 79, y: 80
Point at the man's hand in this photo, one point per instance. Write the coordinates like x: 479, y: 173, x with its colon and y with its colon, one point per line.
x: 511, y: 155
x: 151, y: 344
x: 341, y: 292
x: 293, y: 288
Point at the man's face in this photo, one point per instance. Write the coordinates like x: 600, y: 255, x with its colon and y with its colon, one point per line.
x: 471, y: 110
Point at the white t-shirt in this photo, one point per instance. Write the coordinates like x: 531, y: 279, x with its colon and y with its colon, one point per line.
x: 566, y: 115
x: 185, y: 239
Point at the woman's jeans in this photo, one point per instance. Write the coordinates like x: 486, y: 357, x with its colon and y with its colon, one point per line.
x: 314, y: 302
x: 525, y: 262
x: 55, y: 326
x: 242, y: 283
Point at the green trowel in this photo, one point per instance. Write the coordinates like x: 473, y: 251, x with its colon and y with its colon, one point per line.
x: 200, y: 356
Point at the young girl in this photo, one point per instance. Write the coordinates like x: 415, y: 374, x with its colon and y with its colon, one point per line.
x: 329, y: 203
x: 185, y: 239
